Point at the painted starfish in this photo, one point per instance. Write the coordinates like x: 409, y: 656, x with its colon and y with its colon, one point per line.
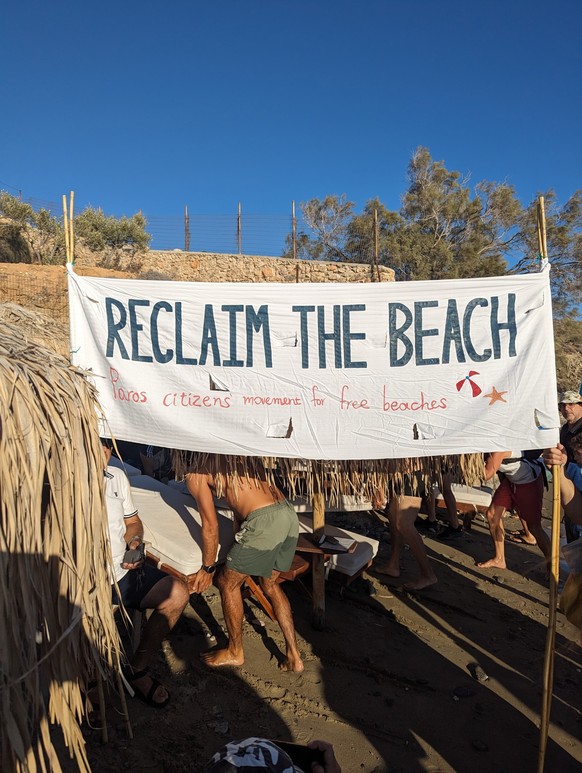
x: 494, y: 396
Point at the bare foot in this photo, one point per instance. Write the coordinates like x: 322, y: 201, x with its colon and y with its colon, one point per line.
x: 520, y: 538
x: 387, y: 569
x: 421, y: 583
x: 225, y: 657
x: 292, y: 664
x: 493, y: 563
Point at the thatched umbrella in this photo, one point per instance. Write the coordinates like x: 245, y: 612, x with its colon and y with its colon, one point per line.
x: 56, y: 618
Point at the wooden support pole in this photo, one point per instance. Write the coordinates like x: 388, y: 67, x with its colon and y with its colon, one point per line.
x: 66, y: 228
x: 72, y: 226
x: 317, y: 566
x: 548, y: 677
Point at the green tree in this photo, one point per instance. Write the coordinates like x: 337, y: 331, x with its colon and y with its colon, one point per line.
x: 40, y: 231
x: 110, y: 234
x: 442, y: 230
x: 327, y: 223
x: 568, y: 344
x: 564, y: 240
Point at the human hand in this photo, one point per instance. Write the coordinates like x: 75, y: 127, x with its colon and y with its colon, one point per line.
x: 556, y: 455
x: 202, y: 581
x: 134, y: 557
x: 330, y: 764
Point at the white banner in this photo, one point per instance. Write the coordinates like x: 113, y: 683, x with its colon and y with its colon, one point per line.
x: 322, y: 371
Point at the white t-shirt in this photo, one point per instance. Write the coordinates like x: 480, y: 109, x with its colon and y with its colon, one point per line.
x: 119, y: 507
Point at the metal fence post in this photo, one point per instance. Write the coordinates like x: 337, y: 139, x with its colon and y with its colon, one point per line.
x: 186, y: 229
x: 239, y: 229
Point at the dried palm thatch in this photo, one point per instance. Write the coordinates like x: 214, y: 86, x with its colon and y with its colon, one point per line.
x: 364, y: 478
x: 56, y: 618
x: 37, y: 327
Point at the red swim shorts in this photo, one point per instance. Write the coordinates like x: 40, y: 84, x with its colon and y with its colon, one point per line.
x: 526, y: 499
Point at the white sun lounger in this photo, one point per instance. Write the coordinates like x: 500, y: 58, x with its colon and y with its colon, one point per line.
x: 470, y: 499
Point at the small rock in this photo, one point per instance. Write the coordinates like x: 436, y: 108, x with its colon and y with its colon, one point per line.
x: 478, y: 673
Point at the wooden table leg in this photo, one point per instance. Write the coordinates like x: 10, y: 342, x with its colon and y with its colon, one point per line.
x: 317, y: 565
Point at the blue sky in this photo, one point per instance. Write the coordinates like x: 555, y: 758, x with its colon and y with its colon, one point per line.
x: 156, y: 105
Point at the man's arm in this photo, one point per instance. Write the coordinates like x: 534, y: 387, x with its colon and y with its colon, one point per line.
x: 133, y: 538
x: 493, y: 463
x: 571, y: 496
x: 199, y: 488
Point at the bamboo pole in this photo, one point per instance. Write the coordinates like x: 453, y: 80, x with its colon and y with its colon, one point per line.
x: 548, y: 673
x: 71, y: 226
x: 542, y: 233
x: 66, y: 228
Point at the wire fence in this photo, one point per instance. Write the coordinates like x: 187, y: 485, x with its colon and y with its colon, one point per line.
x: 236, y: 233
x: 45, y: 294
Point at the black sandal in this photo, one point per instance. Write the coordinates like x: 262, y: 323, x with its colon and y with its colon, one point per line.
x: 147, y: 698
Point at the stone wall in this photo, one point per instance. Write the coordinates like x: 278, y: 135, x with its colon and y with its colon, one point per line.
x: 215, y: 267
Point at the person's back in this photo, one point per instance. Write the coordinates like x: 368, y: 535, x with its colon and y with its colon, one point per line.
x: 246, y: 494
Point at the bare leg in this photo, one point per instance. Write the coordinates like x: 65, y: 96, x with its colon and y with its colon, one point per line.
x: 430, y: 499
x: 404, y: 510
x: 229, y: 584
x: 392, y: 566
x: 542, y: 540
x: 528, y: 537
x: 450, y: 501
x: 495, y: 519
x: 282, y: 610
x: 167, y: 598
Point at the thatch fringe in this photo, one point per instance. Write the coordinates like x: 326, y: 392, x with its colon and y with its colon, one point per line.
x: 56, y: 617
x: 363, y: 478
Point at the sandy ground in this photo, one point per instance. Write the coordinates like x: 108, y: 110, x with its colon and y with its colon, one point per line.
x: 389, y: 681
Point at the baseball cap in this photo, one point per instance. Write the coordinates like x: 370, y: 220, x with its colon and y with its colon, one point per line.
x: 570, y: 397
x: 251, y: 755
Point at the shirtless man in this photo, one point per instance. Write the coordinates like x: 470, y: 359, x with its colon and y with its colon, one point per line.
x: 266, y: 531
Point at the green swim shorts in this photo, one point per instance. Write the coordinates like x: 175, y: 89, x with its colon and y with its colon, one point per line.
x: 266, y: 541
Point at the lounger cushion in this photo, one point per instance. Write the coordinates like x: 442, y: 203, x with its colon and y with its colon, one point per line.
x: 346, y: 563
